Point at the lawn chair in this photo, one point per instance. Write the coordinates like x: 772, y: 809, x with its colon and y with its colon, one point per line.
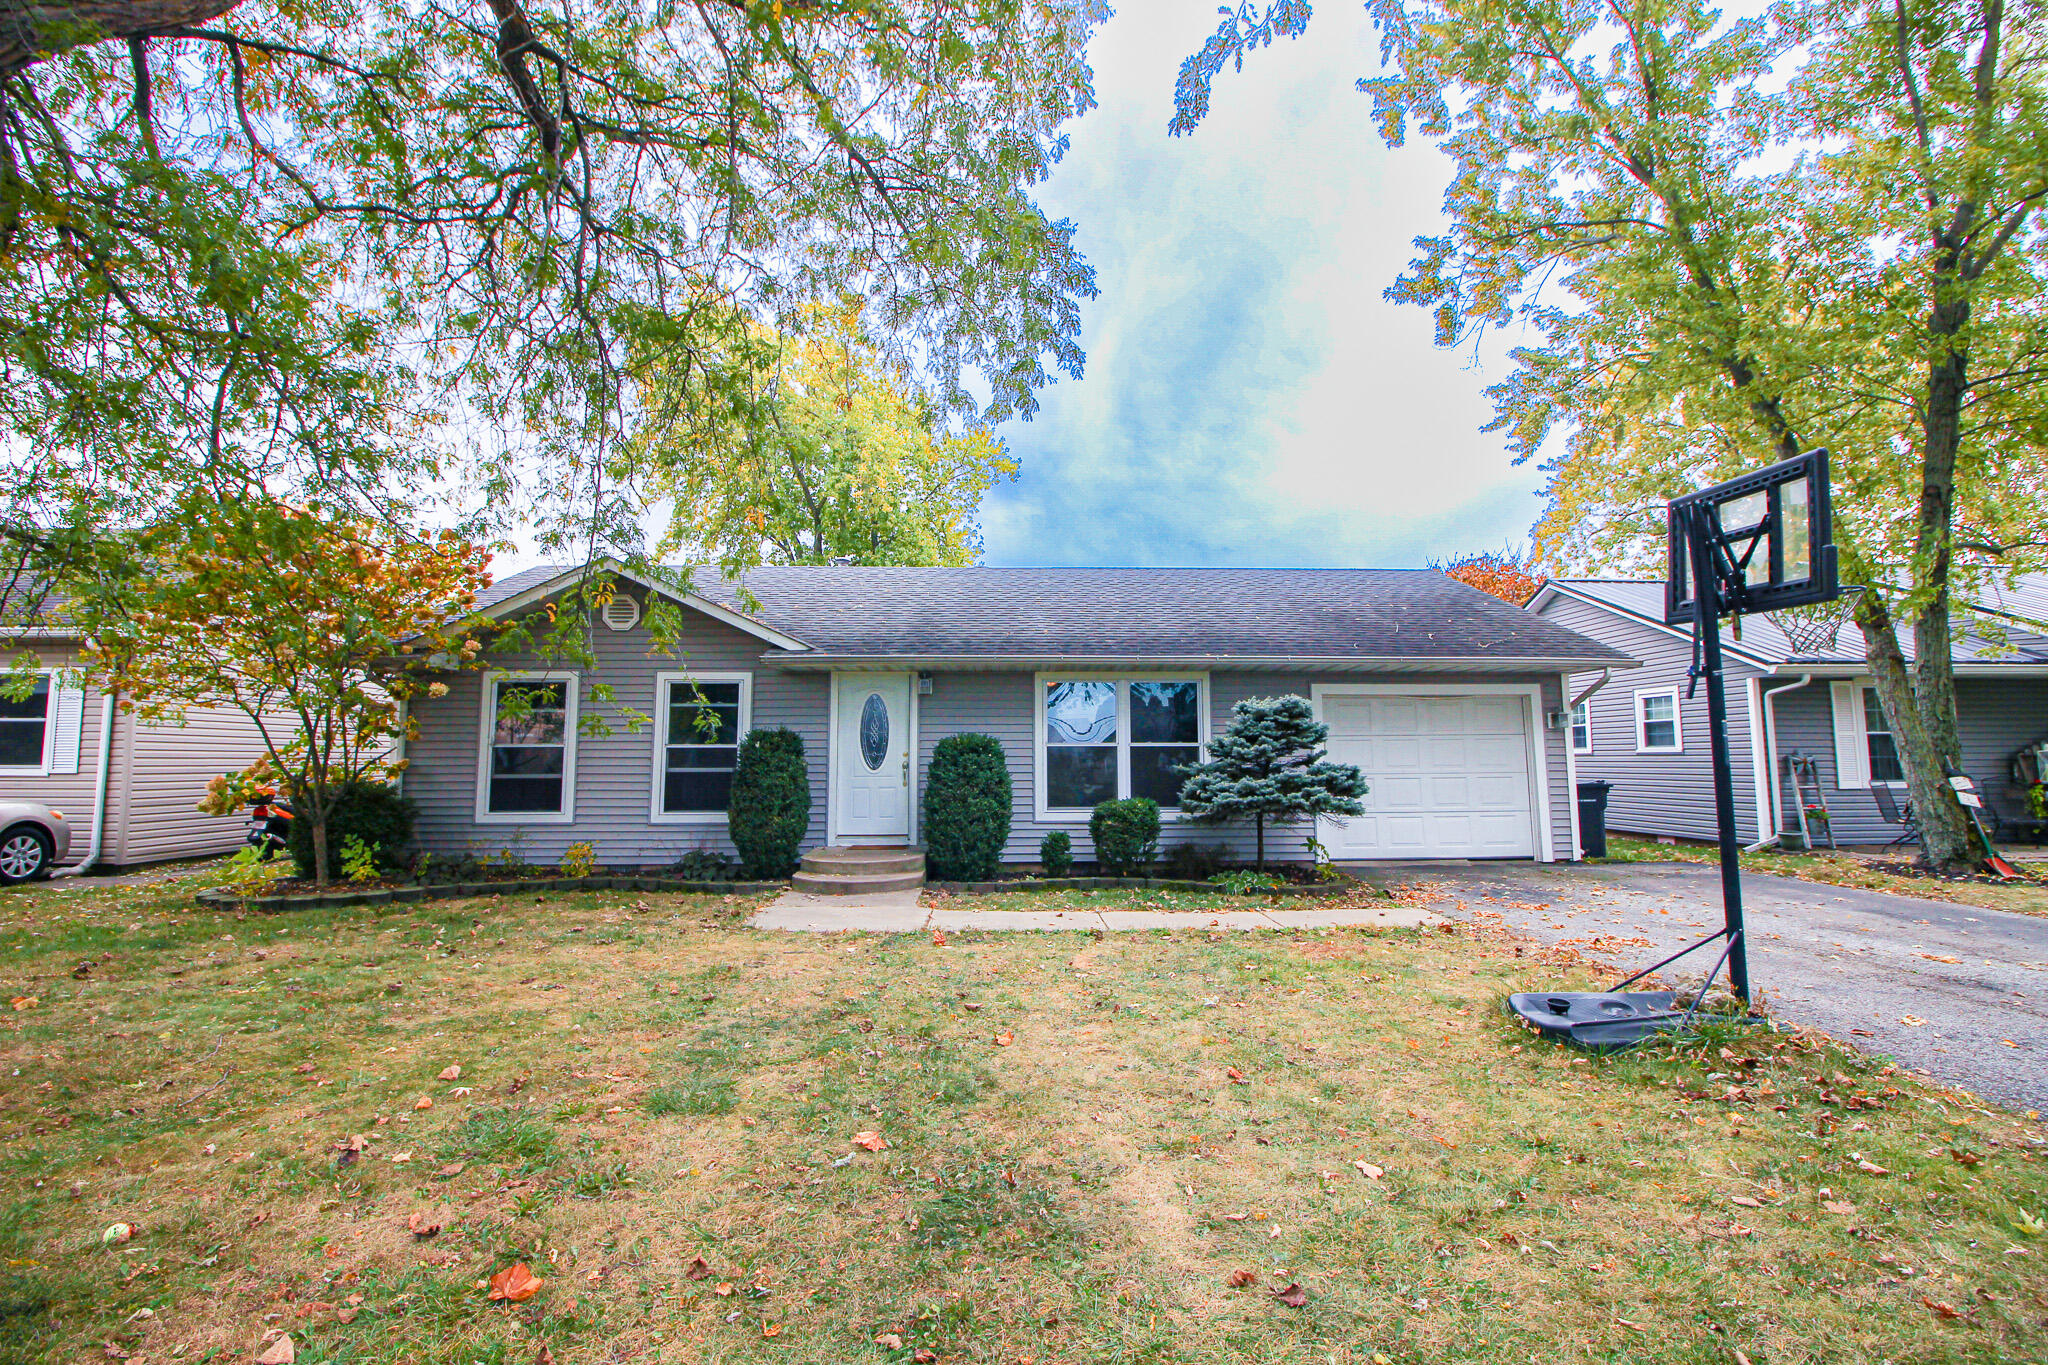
x: 1888, y: 807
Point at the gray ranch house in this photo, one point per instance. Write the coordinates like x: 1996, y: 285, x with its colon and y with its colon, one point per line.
x: 1097, y: 682
x: 1810, y: 699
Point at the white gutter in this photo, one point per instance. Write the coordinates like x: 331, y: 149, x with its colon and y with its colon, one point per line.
x: 1771, y: 756
x: 1606, y: 675
x: 99, y: 800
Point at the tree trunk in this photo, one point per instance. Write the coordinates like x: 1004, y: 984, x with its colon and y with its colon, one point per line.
x: 1941, y: 438
x: 1943, y: 826
x: 316, y: 813
x: 30, y: 31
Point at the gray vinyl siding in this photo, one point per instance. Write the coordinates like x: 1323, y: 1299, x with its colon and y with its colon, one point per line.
x: 71, y: 793
x: 1660, y: 793
x: 614, y: 771
x: 1995, y: 716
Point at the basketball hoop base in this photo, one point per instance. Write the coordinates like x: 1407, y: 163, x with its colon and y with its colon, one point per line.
x: 1603, y: 1021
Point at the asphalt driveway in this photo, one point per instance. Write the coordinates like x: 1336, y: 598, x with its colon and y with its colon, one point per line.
x: 1953, y: 990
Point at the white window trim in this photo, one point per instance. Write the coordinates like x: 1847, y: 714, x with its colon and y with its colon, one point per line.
x: 487, y: 725
x: 1572, y: 727
x: 1677, y: 744
x: 1067, y: 815
x: 833, y: 765
x: 662, y: 683
x: 42, y: 769
x: 1863, y: 693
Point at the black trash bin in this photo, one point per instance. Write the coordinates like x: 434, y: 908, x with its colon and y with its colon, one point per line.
x: 1593, y: 818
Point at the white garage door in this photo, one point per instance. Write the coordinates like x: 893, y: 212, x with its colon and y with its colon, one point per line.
x: 1449, y: 776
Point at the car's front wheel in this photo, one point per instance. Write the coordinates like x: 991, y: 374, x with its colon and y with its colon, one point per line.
x: 25, y: 852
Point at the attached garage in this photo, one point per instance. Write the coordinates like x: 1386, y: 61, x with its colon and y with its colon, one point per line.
x: 1454, y: 771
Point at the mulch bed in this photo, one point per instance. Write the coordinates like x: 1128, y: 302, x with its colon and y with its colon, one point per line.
x: 288, y: 897
x: 1348, y: 887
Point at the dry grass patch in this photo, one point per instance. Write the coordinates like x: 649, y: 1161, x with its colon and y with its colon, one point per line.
x: 645, y: 1085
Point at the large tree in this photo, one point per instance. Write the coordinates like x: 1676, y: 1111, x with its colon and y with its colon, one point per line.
x: 1729, y: 240
x: 252, y: 244
x: 833, y: 452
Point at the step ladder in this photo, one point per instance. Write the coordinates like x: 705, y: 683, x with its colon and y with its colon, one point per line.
x: 1807, y: 792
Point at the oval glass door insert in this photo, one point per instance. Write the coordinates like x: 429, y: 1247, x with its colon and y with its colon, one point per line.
x: 874, y: 731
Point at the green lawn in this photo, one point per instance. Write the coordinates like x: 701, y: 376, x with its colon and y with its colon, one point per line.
x: 1087, y: 1137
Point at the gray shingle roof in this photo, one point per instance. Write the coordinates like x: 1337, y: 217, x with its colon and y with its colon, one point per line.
x: 1992, y: 639
x: 968, y: 613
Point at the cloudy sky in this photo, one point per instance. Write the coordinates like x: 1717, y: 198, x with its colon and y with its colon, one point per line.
x: 1250, y: 398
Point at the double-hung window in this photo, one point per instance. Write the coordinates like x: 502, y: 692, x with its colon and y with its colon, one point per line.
x: 529, y: 760
x: 1878, y: 742
x: 24, y: 723
x: 1657, y: 728
x: 703, y: 717
x: 1582, y: 727
x: 1102, y: 738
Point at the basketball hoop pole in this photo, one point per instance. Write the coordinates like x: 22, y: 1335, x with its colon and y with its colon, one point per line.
x: 1701, y: 538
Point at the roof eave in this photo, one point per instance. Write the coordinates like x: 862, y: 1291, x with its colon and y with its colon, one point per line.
x: 819, y: 661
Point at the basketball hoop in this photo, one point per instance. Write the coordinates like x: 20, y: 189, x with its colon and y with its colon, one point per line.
x: 1763, y: 542
x: 1812, y: 629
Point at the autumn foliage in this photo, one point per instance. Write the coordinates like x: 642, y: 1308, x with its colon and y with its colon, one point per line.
x: 1505, y: 574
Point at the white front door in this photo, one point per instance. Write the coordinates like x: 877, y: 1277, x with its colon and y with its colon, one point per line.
x: 873, y: 759
x: 1449, y: 775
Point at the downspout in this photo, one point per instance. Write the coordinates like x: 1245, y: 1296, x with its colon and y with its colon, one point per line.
x: 1771, y: 695
x: 99, y: 801
x: 1606, y: 674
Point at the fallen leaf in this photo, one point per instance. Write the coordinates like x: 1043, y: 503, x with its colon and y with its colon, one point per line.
x: 1241, y: 1279
x: 870, y: 1140
x: 1911, y: 1020
x: 1236, y: 1077
x: 116, y: 1234
x: 279, y: 1352
x: 939, y: 939
x: 889, y: 1341
x: 1964, y: 1158
x: 1839, y: 1206
x: 1005, y: 1038
x: 515, y: 1283
x: 771, y: 1329
x: 923, y: 1356
x: 1869, y: 1167
x: 1941, y: 1310
x: 697, y: 1269
x: 546, y: 1357
x: 419, y: 1226
x: 25, y: 1002
x: 304, y: 1068
x: 449, y: 1172
x: 723, y: 1289
x: 451, y: 1073
x: 400, y: 1158
x: 1368, y: 1170
x: 1291, y: 1294
x: 423, y: 1103
x: 1745, y: 1201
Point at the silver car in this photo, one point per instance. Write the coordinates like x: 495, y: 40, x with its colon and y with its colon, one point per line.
x: 33, y: 839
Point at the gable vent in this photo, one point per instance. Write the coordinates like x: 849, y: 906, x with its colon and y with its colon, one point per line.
x: 621, y: 613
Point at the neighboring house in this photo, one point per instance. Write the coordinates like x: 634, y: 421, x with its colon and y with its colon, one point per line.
x: 135, y: 782
x: 1097, y: 682
x: 1647, y: 737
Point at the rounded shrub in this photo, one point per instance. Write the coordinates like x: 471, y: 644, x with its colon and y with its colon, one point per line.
x: 1126, y: 833
x: 1056, y: 854
x: 770, y: 807
x: 966, y: 808
x: 373, y: 812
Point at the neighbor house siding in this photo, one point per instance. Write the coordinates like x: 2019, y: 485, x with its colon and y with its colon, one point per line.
x: 614, y: 771
x: 71, y: 793
x: 1660, y: 793
x: 158, y: 773
x: 1995, y: 717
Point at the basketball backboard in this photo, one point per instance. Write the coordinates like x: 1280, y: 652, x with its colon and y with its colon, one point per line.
x: 1769, y: 533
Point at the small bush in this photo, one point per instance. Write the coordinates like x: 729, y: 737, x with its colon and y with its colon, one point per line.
x: 704, y: 865
x: 1126, y: 833
x: 966, y: 808
x: 370, y: 812
x: 1056, y: 854
x: 770, y: 808
x: 1196, y: 862
x: 579, y: 859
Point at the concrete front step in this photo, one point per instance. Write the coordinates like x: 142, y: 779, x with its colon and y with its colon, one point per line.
x: 857, y: 862
x: 856, y: 883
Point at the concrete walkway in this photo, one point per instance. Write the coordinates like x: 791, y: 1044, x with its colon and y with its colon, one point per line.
x: 898, y: 912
